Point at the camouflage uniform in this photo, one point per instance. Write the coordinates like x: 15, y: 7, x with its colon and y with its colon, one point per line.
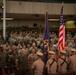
x: 22, y: 62
x: 2, y: 61
x: 13, y: 60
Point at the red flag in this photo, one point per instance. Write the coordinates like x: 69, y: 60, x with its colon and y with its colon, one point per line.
x: 61, y: 40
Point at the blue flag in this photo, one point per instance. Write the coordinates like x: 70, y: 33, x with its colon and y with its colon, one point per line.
x: 46, y: 31
x: 46, y: 38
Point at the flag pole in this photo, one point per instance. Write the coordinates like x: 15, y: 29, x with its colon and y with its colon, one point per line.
x: 4, y: 19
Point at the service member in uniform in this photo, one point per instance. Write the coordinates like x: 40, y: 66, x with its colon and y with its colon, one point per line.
x: 31, y: 58
x: 72, y: 60
x: 51, y: 64
x: 62, y: 63
x: 38, y: 65
x: 22, y: 63
x: 68, y: 49
x: 13, y: 62
x: 2, y: 60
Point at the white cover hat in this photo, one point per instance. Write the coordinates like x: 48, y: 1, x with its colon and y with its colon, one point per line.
x: 51, y: 52
x: 39, y: 53
x: 73, y: 50
x: 63, y: 51
x: 54, y: 45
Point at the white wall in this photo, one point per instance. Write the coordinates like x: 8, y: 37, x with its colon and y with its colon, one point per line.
x: 39, y: 8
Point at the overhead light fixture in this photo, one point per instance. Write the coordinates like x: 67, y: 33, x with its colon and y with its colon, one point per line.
x: 54, y: 19
x: 7, y: 18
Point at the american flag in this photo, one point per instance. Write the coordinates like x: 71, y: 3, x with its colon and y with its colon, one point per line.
x: 61, y: 40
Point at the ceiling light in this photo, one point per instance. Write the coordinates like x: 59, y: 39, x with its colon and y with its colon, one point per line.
x: 7, y: 18
x: 54, y: 19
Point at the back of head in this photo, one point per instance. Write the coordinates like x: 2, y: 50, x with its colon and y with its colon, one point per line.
x: 63, y: 52
x: 40, y: 54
